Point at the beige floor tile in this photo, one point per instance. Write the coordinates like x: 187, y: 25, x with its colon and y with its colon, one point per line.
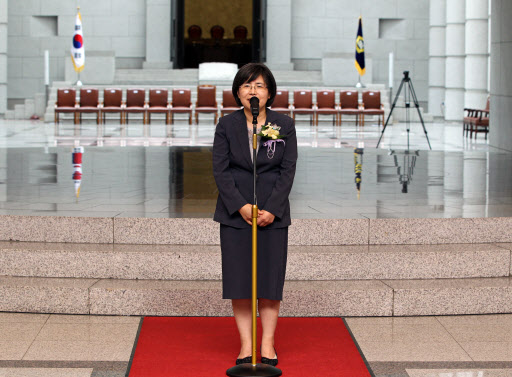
x: 459, y: 372
x: 482, y: 332
x: 91, y: 332
x: 79, y: 350
x: 434, y: 333
x: 45, y: 372
x: 26, y: 331
x: 13, y: 350
x: 62, y: 318
x: 23, y: 317
x: 489, y: 351
x: 413, y: 351
x: 492, y: 319
x: 392, y: 321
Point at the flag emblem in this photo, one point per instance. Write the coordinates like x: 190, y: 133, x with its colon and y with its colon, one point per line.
x: 360, y: 49
x: 77, y: 45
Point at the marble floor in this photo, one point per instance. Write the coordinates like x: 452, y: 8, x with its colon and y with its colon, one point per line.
x: 165, y: 171
x: 50, y: 345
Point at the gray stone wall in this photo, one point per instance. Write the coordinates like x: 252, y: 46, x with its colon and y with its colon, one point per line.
x: 398, y: 26
x: 3, y: 57
x: 500, y: 130
x: 39, y: 25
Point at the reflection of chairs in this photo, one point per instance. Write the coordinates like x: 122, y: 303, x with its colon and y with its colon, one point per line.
x: 349, y: 105
x: 89, y: 103
x: 217, y: 32
x: 194, y: 32
x: 281, y: 102
x: 113, y: 103
x: 135, y: 103
x: 66, y: 103
x: 206, y: 102
x: 303, y: 103
x: 228, y: 103
x: 240, y: 32
x: 371, y: 105
x: 181, y: 103
x: 159, y: 104
x: 477, y: 120
x: 326, y: 105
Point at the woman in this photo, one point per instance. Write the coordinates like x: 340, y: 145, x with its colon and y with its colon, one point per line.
x: 233, y: 172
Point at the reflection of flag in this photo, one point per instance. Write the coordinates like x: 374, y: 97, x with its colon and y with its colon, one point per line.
x: 360, y: 49
x: 77, y: 168
x: 77, y: 47
x: 358, y: 169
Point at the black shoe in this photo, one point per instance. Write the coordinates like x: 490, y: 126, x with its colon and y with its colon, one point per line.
x: 245, y: 360
x: 266, y: 360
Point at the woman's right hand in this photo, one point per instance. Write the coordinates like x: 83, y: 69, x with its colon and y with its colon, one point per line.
x: 246, y: 212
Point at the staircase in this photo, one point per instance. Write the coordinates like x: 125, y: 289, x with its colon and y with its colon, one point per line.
x: 360, y: 267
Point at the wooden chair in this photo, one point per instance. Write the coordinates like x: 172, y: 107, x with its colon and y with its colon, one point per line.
x: 181, y: 104
x: 240, y: 33
x: 194, y: 32
x: 113, y: 103
x: 281, y: 102
x: 349, y: 105
x: 474, y: 116
x: 326, y: 105
x: 136, y: 103
x: 371, y: 105
x: 159, y: 104
x: 217, y: 32
x: 66, y: 103
x: 89, y: 103
x: 206, y: 102
x: 228, y: 104
x: 303, y: 103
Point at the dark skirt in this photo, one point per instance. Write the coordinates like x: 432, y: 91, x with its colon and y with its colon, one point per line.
x: 236, y: 247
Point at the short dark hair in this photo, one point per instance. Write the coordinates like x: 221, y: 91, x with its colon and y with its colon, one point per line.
x: 250, y: 72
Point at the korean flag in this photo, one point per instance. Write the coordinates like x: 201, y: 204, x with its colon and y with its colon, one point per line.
x: 77, y: 47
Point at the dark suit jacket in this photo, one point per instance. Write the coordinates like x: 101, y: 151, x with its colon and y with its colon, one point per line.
x: 233, y: 170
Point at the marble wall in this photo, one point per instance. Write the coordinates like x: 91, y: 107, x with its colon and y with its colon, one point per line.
x: 39, y: 25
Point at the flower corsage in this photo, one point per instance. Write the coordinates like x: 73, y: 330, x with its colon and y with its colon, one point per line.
x: 270, y: 131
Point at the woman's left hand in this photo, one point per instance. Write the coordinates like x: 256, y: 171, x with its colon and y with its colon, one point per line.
x: 265, y: 218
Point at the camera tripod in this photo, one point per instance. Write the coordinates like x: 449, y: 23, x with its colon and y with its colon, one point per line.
x: 407, y: 94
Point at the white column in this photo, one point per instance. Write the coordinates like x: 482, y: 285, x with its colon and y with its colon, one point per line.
x: 455, y: 56
x: 158, y: 34
x: 279, y: 34
x: 500, y: 129
x: 477, y: 40
x: 437, y: 56
x: 3, y: 57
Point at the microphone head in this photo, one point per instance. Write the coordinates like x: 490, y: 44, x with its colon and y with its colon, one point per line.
x: 255, y: 106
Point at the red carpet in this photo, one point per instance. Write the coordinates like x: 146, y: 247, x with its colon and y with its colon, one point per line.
x: 207, y: 347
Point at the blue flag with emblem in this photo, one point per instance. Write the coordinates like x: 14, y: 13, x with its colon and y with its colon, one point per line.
x: 360, y: 49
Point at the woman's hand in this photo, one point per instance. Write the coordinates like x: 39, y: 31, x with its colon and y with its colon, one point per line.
x: 246, y: 212
x: 265, y: 218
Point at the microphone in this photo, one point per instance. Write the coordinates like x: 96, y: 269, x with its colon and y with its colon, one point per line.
x: 255, y: 106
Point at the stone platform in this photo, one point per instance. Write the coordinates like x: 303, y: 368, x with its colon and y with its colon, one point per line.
x: 351, y: 267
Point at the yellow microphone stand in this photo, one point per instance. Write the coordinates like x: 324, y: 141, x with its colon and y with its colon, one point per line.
x: 254, y: 369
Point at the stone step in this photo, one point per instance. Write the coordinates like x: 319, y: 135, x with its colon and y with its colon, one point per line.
x: 203, y: 262
x: 302, y: 232
x: 301, y: 298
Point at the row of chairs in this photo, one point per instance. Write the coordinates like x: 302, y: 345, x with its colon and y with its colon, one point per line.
x: 476, y: 120
x: 326, y: 104
x: 206, y: 103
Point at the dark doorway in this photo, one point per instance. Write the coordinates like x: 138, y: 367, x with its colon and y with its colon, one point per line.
x: 230, y: 31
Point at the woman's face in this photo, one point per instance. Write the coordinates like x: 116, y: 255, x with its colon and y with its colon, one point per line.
x: 255, y: 88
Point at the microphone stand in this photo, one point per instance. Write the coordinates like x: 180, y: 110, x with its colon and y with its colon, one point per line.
x: 254, y: 369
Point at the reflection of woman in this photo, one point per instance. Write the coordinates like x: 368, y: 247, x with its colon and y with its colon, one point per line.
x: 233, y: 171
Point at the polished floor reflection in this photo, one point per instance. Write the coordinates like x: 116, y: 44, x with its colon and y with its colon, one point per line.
x: 128, y: 172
